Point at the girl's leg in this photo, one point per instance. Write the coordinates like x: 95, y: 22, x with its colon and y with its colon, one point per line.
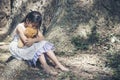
x: 45, y: 65
x: 52, y: 56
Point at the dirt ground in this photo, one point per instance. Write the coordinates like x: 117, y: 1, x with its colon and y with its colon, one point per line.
x: 83, y: 66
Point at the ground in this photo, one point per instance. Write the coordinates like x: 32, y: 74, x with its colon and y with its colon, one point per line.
x: 83, y: 66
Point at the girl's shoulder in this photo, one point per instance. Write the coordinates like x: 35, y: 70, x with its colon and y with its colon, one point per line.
x: 20, y: 26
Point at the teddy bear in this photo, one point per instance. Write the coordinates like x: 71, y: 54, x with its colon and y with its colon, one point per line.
x: 29, y: 33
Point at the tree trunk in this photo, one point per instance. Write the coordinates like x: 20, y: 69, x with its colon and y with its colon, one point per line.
x: 5, y: 11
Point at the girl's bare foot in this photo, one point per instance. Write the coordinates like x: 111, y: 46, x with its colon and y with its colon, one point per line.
x: 63, y: 68
x: 51, y: 72
x: 48, y: 70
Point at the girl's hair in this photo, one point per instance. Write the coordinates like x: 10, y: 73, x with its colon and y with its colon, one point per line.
x: 34, y: 17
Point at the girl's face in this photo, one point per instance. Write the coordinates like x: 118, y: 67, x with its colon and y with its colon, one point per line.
x: 30, y: 24
x: 34, y: 25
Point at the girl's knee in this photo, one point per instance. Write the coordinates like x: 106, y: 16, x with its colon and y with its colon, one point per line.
x: 50, y: 51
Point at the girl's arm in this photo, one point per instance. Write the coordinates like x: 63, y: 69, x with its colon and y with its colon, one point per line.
x: 20, y: 31
x: 30, y: 41
x: 39, y: 37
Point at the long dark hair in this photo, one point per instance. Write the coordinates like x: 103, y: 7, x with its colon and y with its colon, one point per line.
x: 34, y: 17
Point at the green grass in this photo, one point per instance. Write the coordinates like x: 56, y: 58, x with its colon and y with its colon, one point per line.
x: 80, y: 43
x: 68, y: 76
x: 114, y: 63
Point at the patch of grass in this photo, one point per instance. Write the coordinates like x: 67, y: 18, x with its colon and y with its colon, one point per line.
x: 83, y: 44
x: 114, y: 63
x: 68, y: 76
x: 94, y: 36
x: 80, y: 43
x: 62, y: 53
x: 4, y: 50
x: 32, y: 75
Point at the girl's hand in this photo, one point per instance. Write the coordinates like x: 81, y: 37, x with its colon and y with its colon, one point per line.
x: 29, y: 42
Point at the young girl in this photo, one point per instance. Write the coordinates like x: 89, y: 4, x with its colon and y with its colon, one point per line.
x: 34, y: 48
